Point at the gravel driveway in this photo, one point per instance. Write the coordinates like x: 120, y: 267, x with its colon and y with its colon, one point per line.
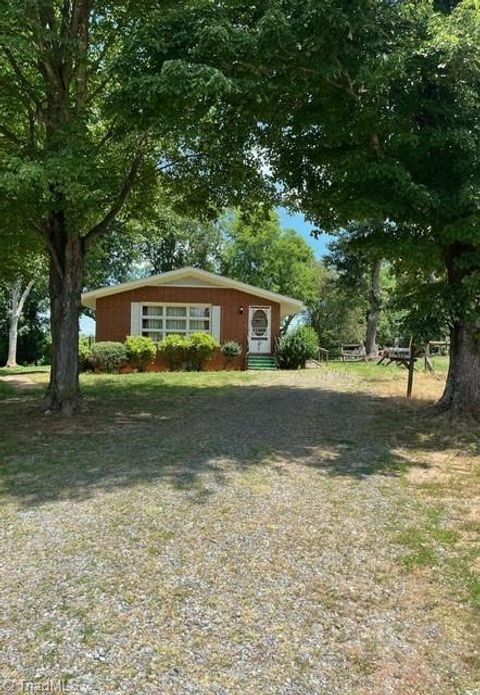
x: 241, y: 539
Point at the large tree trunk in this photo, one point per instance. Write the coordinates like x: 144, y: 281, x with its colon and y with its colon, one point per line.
x: 13, y: 327
x: 12, y: 342
x: 60, y: 109
x: 18, y: 299
x: 374, y: 305
x: 462, y: 390
x: 66, y: 275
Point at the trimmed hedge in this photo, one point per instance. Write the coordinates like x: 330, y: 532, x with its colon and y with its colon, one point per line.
x: 200, y: 349
x: 173, y: 350
x: 108, y: 356
x: 187, y: 352
x: 140, y: 351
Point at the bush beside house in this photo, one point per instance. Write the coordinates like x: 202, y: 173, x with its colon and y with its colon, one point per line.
x: 187, y: 352
x: 191, y: 353
x: 296, y: 347
x: 231, y: 349
x: 141, y: 351
x: 176, y: 352
x: 173, y: 351
x: 108, y: 356
x: 200, y: 349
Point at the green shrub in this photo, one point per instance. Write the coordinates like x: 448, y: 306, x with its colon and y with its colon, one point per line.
x: 296, y: 347
x: 231, y: 349
x: 200, y: 349
x: 84, y: 354
x: 181, y: 352
x: 140, y: 351
x: 173, y: 350
x: 108, y: 356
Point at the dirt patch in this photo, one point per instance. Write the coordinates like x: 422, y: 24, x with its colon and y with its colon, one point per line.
x: 18, y: 381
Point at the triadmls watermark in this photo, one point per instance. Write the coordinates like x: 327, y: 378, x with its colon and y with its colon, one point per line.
x: 50, y: 685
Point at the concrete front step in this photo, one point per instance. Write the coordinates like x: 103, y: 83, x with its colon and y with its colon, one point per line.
x: 261, y: 362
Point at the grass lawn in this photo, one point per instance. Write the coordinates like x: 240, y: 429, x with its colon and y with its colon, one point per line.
x: 29, y: 369
x: 7, y: 389
x: 294, y: 533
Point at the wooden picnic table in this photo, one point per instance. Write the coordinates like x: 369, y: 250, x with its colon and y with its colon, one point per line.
x: 351, y: 353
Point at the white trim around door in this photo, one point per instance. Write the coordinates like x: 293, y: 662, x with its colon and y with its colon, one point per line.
x: 260, y: 330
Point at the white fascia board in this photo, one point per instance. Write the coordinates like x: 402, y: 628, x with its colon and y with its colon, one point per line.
x: 288, y: 305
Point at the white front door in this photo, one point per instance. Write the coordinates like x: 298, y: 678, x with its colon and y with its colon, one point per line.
x: 260, y: 329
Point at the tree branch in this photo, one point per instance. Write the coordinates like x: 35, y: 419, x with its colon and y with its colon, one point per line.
x: 10, y: 136
x: 21, y: 77
x: 51, y: 65
x: 102, y: 227
x: 376, y: 146
x: 51, y: 248
x: 172, y: 163
x: 65, y: 13
x: 101, y: 88
x: 24, y: 296
x: 109, y: 133
x: 80, y: 9
x: 47, y: 71
x: 47, y: 14
x: 349, y: 87
x: 80, y: 31
x: 54, y: 257
x: 31, y: 128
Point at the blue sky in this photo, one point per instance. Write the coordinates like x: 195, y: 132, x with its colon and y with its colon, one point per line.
x: 297, y: 221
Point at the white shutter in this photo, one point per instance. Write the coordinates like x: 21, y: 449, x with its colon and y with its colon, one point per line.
x: 215, y: 322
x: 135, y: 318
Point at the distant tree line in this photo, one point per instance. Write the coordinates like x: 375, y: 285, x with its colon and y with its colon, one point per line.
x: 350, y: 297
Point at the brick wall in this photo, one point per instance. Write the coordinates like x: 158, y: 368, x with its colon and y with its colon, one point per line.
x: 113, y: 313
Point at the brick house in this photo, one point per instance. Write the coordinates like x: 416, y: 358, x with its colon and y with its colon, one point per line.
x: 188, y: 300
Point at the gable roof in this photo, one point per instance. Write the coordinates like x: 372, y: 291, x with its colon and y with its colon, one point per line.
x: 193, y: 277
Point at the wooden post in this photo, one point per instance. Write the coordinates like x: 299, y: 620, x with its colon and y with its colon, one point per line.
x: 411, y: 367
x: 428, y: 362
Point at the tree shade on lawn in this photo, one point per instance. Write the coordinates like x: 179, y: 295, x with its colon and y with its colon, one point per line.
x: 368, y: 111
x: 66, y: 172
x: 74, y: 157
x: 401, y: 143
